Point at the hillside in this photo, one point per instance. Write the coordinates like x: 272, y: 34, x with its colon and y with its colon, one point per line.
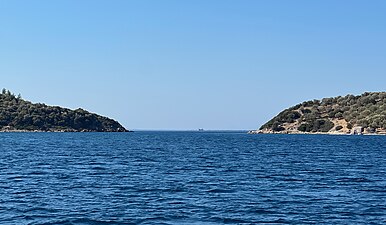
x: 365, y: 113
x: 17, y: 114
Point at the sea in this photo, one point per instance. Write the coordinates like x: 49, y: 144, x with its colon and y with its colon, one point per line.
x: 207, y: 178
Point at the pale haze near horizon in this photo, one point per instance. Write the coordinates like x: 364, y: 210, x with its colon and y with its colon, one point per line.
x: 182, y: 65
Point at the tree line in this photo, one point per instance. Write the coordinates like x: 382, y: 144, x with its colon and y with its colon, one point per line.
x: 19, y: 114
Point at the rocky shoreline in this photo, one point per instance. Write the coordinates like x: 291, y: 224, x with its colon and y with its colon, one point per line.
x: 364, y: 132
x: 59, y: 131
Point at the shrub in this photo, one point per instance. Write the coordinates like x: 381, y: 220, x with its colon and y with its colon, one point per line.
x: 305, y: 127
x: 338, y: 128
x: 339, y: 115
x: 276, y: 126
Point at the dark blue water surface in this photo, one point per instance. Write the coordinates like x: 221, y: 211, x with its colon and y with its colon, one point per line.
x: 191, y: 178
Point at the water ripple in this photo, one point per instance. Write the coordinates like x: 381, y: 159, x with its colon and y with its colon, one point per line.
x: 191, y: 178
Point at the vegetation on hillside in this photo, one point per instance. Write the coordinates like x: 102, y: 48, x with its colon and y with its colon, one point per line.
x: 19, y: 114
x: 367, y: 110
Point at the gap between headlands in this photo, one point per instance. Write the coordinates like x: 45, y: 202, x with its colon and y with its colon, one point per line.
x: 362, y: 114
x: 19, y: 115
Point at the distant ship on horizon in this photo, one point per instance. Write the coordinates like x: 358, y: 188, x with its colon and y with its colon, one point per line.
x: 200, y: 130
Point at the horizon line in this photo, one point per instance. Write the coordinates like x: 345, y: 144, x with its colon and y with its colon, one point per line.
x: 198, y: 130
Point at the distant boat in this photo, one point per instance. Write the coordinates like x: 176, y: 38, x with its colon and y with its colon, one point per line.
x: 200, y: 130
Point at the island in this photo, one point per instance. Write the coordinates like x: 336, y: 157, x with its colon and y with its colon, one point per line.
x: 362, y: 114
x: 17, y: 114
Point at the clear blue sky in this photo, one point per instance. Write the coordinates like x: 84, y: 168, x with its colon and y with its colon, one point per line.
x: 171, y: 64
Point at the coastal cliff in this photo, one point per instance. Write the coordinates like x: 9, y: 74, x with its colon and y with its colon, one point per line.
x: 362, y: 114
x: 17, y: 114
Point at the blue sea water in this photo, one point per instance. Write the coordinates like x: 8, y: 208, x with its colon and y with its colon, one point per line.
x: 191, y: 178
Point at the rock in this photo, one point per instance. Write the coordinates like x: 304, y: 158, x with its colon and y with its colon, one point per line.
x: 357, y: 130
